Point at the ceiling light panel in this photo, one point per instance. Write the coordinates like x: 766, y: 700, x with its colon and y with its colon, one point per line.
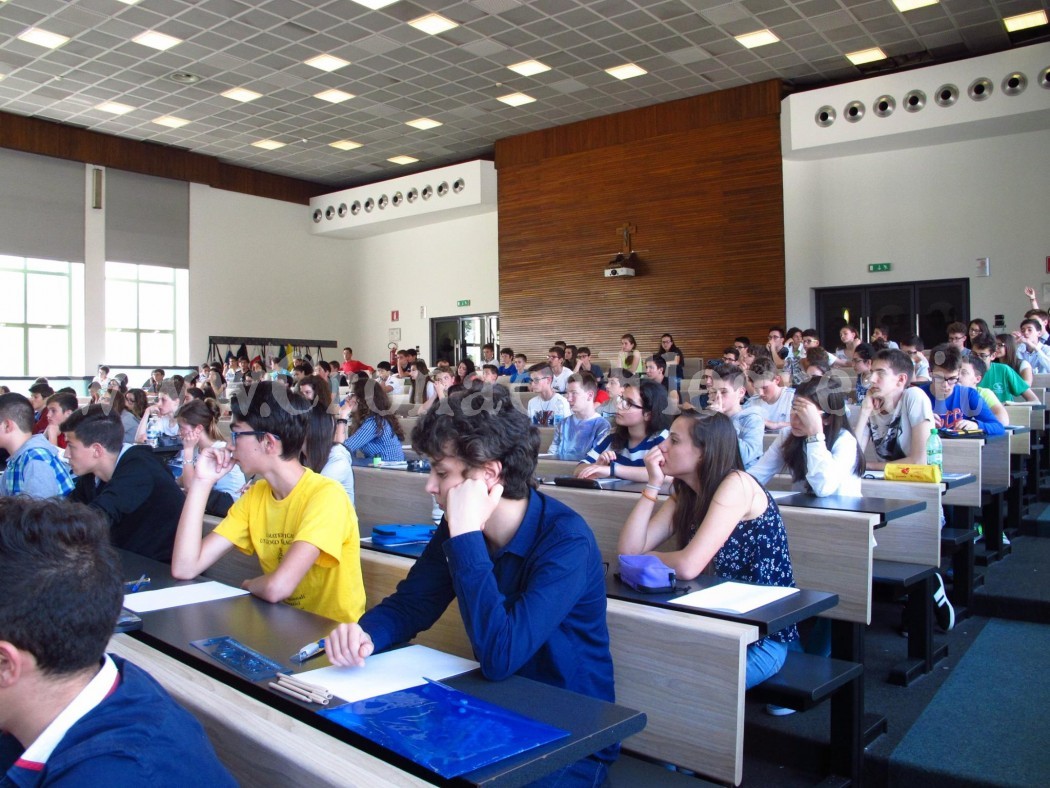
x: 268, y: 144
x: 865, y: 56
x: 1025, y: 21
x: 759, y: 38
x: 402, y: 160
x: 375, y: 5
x: 114, y: 107
x: 171, y: 121
x: 241, y: 94
x: 334, y: 96
x: 529, y: 68
x: 516, y: 99
x: 433, y: 24
x: 626, y: 71
x: 911, y: 5
x: 423, y: 124
x: 345, y: 144
x: 327, y: 62
x: 42, y: 38
x: 156, y: 40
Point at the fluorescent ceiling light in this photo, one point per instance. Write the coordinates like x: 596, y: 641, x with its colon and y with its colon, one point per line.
x: 423, y: 124
x: 241, y: 94
x: 1025, y: 21
x: 130, y: 2
x: 268, y: 144
x: 327, y: 62
x: 758, y: 39
x: 402, y: 160
x: 42, y: 38
x: 375, y: 5
x: 626, y: 71
x: 865, y: 56
x: 171, y: 121
x: 114, y: 107
x: 344, y: 144
x: 516, y: 99
x: 433, y: 24
x: 911, y: 5
x: 529, y: 68
x: 334, y: 96
x: 155, y: 40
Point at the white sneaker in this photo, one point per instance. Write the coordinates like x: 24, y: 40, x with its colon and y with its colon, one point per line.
x: 778, y: 711
x: 942, y: 607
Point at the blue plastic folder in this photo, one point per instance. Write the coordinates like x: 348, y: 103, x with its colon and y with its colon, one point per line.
x: 392, y: 535
x: 443, y: 729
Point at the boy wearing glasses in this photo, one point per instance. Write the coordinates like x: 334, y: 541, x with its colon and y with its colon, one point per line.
x: 1001, y: 379
x: 300, y: 524
x: 548, y: 408
x: 957, y: 407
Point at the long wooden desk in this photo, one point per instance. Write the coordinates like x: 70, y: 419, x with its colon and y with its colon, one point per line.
x: 279, y: 630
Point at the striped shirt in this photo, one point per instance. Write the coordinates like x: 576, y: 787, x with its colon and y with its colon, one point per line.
x: 375, y: 438
x: 628, y: 455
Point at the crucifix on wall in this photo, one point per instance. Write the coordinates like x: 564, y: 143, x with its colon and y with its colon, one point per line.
x: 625, y: 232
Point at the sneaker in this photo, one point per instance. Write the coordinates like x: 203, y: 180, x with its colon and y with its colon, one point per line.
x: 778, y: 711
x: 1006, y: 540
x: 942, y: 607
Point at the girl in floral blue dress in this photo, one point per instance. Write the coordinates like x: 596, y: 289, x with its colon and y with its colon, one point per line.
x: 719, y: 516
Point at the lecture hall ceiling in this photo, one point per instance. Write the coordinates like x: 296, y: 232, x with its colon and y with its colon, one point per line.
x: 396, y: 73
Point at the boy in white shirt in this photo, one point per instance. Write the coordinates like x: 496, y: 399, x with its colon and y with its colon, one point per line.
x: 771, y: 399
x: 547, y: 408
x: 897, y: 419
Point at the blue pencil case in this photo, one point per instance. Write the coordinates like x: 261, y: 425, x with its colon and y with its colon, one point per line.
x: 402, y: 534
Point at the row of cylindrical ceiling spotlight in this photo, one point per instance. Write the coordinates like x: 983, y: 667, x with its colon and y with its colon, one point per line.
x: 397, y: 199
x: 914, y: 100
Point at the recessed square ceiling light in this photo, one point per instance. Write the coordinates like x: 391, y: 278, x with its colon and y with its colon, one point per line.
x: 626, y: 71
x: 334, y: 96
x: 1025, y: 21
x: 865, y: 56
x: 241, y: 94
x: 155, y: 40
x: 42, y: 38
x: 433, y: 24
x: 171, y: 121
x: 911, y: 5
x: 130, y: 2
x: 268, y: 144
x: 516, y: 99
x: 423, y: 123
x: 402, y: 160
x: 345, y: 144
x: 327, y: 62
x: 375, y: 5
x: 758, y: 39
x: 114, y: 107
x: 528, y: 68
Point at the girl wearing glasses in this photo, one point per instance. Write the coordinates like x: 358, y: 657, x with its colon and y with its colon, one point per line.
x: 719, y: 516
x: 641, y: 424
x: 817, y: 450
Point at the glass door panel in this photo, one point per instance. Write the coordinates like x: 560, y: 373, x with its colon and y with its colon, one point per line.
x: 892, y: 306
x: 835, y: 308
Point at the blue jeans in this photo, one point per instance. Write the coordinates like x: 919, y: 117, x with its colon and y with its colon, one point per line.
x: 585, y: 773
x: 764, y: 659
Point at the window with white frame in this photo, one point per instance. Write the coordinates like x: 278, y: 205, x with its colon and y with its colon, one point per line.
x: 146, y: 321
x: 37, y: 325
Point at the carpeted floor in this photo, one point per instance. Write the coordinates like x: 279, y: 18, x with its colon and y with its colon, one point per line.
x: 1018, y: 587
x: 985, y: 724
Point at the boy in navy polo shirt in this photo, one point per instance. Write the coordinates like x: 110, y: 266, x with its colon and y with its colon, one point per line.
x: 69, y: 713
x: 524, y: 568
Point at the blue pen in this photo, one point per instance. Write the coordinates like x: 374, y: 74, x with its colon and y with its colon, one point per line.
x: 137, y: 584
x: 309, y: 650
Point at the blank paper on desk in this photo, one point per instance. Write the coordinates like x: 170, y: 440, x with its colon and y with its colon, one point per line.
x: 148, y: 601
x: 388, y: 672
x: 733, y: 597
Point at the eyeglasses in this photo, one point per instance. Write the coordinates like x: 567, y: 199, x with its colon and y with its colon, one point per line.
x: 951, y: 381
x: 235, y: 435
x: 984, y: 356
x: 625, y: 404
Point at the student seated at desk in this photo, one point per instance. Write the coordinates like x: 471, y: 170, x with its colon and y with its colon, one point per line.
x: 956, y: 407
x: 69, y: 713
x: 367, y: 423
x: 641, y: 424
x: 818, y: 449
x: 771, y: 399
x: 913, y: 347
x: 971, y: 372
x: 34, y: 467
x: 584, y: 429
x: 198, y: 422
x: 323, y: 454
x: 524, y: 568
x: 437, y: 388
x: 719, y: 516
x: 300, y: 524
x: 169, y: 397
x: 548, y: 408
x: 1001, y: 379
x: 896, y: 419
x: 725, y: 394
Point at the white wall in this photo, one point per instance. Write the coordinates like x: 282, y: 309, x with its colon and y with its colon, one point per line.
x: 930, y: 211
x: 256, y: 270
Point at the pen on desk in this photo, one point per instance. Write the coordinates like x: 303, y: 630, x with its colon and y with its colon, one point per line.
x: 137, y: 584
x: 309, y: 650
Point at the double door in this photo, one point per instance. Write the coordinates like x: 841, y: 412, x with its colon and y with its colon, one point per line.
x: 453, y: 339
x: 904, y: 308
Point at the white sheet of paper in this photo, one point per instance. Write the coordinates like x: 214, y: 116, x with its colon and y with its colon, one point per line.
x: 388, y: 672
x: 734, y: 597
x: 148, y: 601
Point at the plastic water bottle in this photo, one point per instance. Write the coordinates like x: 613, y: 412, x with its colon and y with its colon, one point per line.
x: 934, y: 450
x: 231, y: 376
x: 152, y: 431
x: 436, y: 513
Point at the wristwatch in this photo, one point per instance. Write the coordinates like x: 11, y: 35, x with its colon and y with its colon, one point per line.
x: 340, y: 421
x: 818, y: 438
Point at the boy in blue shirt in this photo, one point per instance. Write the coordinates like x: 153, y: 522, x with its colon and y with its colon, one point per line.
x: 956, y: 407
x: 584, y: 429
x: 524, y: 568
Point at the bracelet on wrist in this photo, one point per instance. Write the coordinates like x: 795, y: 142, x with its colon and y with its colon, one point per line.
x: 648, y: 496
x: 653, y: 487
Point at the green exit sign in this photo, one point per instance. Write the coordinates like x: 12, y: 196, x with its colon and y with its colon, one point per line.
x: 465, y: 302
x: 874, y: 268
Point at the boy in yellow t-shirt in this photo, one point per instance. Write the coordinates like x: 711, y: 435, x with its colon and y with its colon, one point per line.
x: 302, y: 525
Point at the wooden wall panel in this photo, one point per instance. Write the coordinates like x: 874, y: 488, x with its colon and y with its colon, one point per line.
x: 48, y: 138
x: 707, y: 201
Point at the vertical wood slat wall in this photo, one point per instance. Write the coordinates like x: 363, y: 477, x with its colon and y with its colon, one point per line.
x: 702, y: 181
